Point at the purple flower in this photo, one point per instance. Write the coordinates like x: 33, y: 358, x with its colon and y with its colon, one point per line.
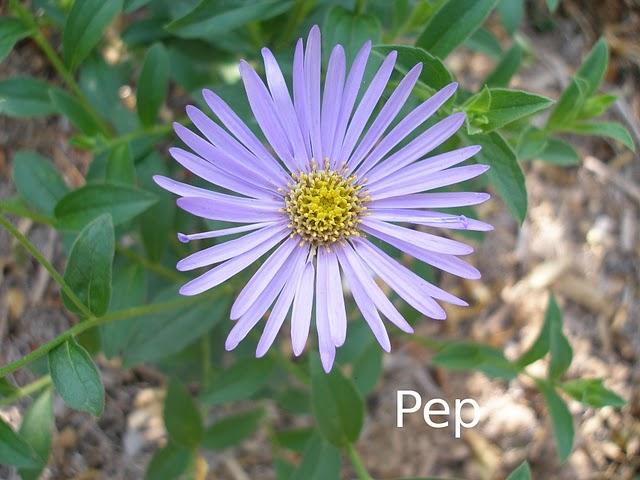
x: 325, y: 185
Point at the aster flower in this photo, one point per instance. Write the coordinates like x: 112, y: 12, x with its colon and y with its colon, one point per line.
x: 325, y: 184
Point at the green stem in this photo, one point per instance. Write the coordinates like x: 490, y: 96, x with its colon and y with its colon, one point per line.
x: 160, y: 130
x: 361, y: 6
x: 29, y: 389
x: 357, y: 463
x: 29, y: 20
x: 157, y: 268
x: 31, y: 248
x: 92, y: 322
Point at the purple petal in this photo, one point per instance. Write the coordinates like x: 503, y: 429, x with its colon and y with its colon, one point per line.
x: 263, y: 110
x: 335, y: 298
x: 229, y: 210
x: 240, y: 130
x: 355, y: 271
x: 186, y: 238
x: 300, y: 94
x: 301, y: 314
x: 232, y: 248
x: 407, y: 125
x: 284, y: 107
x: 422, y: 144
x: 312, y: 65
x: 412, y: 284
x: 325, y: 342
x: 386, y: 116
x: 404, y: 282
x: 432, y: 200
x: 262, y: 277
x: 350, y: 93
x: 425, y: 240
x: 215, y: 175
x: 332, y: 97
x: 366, y: 106
x: 443, y: 178
x: 366, y: 307
x: 431, y: 219
x: 224, y: 271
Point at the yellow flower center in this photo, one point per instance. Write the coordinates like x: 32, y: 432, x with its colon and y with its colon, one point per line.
x: 324, y: 206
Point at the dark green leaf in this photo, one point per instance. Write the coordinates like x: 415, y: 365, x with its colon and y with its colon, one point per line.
x: 559, y: 152
x: 232, y: 430
x: 569, y: 104
x: 120, y: 167
x: 559, y: 347
x: 23, y: 96
x: 37, y: 430
x: 561, y: 419
x: 483, y: 41
x: 367, y: 368
x: 506, y: 68
x: 510, y: 105
x: 79, y: 207
x: 434, y: 73
x: 76, y: 378
x: 85, y: 24
x: 77, y: 114
x: 169, y: 463
x: 294, y: 439
x: 89, y: 266
x: 12, y: 31
x: 349, y: 29
x: 478, y: 103
x: 474, y: 356
x: 452, y: 24
x: 512, y: 13
x: 523, y: 472
x: 241, y: 381
x: 612, y: 130
x: 531, y: 143
x: 594, y: 67
x: 152, y: 84
x: 337, y: 405
x: 592, y: 392
x: 597, y: 105
x: 215, y: 18
x: 505, y: 172
x: 14, y: 450
x: 320, y: 461
x: 132, y: 5
x: 37, y: 181
x: 294, y: 400
x: 181, y: 416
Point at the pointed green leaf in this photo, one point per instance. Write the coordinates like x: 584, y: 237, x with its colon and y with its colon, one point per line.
x: 510, y: 105
x: 507, y: 67
x: 512, y: 13
x: 169, y: 463
x: 320, y: 461
x: 483, y: 41
x: 152, y: 84
x: 232, y: 430
x: 475, y: 356
x: 569, y: 105
x: 181, y: 416
x: 37, y: 181
x: 561, y: 419
x: 349, y: 29
x: 12, y: 31
x: 592, y: 392
x: 23, y: 96
x: 559, y: 347
x: 37, y: 430
x: 434, y: 73
x: 523, y: 472
x: 239, y: 382
x: 75, y: 111
x: 612, y: 130
x: 76, y: 378
x: 594, y: 67
x: 120, y: 167
x: 14, y: 450
x: 559, y: 152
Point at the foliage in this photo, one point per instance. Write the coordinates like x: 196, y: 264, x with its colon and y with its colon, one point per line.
x: 119, y: 228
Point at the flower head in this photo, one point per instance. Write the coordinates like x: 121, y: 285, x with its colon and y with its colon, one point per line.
x: 326, y: 183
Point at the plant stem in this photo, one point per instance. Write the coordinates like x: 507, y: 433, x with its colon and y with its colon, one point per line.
x: 357, y: 463
x: 67, y: 77
x: 29, y: 389
x: 31, y: 248
x: 92, y: 322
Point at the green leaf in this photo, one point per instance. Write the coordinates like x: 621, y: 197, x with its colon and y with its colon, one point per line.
x: 507, y: 67
x: 367, y: 369
x: 434, y: 73
x: 76, y: 378
x: 523, y: 472
x: 169, y: 463
x: 294, y: 439
x: 552, y: 5
x: 320, y: 461
x: 512, y: 13
x: 12, y: 31
x: 232, y: 430
x: 596, y: 105
x: 507, y: 106
x: 239, y: 382
x: 79, y: 207
x: 23, y: 96
x: 478, y: 103
x: 592, y: 392
x: 505, y: 172
x: 594, y: 67
x: 531, y: 143
x: 181, y: 416
x: 152, y: 84
x: 483, y: 41
x: 37, y: 181
x: 89, y: 267
x: 337, y: 405
x: 215, y: 18
x: 561, y: 419
x: 454, y: 22
x: 86, y: 22
x: 475, y: 356
x: 14, y: 450
x: 37, y: 430
x: 559, y: 347
x: 75, y: 111
x: 612, y: 130
x: 120, y: 167
x: 349, y: 29
x: 569, y: 105
x: 559, y: 152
